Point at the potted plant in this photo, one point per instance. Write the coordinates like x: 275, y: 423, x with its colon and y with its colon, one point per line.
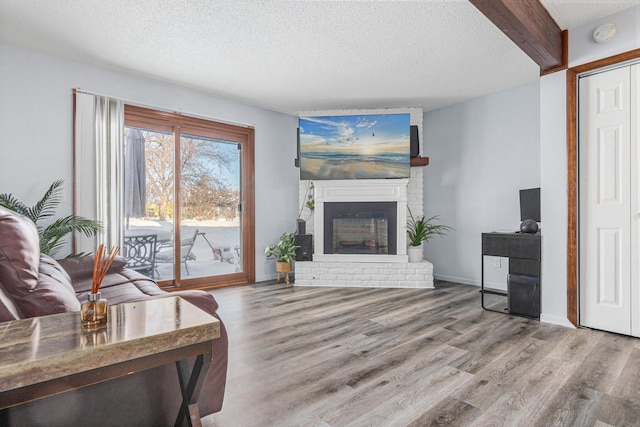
x: 421, y: 230
x: 284, y: 252
x: 51, y: 236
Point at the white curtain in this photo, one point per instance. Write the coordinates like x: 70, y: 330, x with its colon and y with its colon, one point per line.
x: 99, y: 176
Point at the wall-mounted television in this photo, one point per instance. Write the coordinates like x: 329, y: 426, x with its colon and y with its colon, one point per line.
x: 530, y: 204
x: 355, y: 147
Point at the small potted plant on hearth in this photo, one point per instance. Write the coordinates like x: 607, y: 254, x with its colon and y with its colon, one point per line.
x: 421, y: 230
x: 284, y: 252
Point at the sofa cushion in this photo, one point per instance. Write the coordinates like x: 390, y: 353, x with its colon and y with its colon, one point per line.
x: 19, y: 255
x: 8, y: 309
x: 81, y: 268
x: 120, y: 279
x: 129, y: 285
x: 37, y: 284
x: 19, y: 249
x: 53, y: 292
x: 50, y: 267
x: 54, y: 287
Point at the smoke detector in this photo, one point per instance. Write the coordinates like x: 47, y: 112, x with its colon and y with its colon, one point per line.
x: 604, y: 33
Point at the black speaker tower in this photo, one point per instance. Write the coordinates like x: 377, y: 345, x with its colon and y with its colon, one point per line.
x: 414, y: 141
x: 305, y: 249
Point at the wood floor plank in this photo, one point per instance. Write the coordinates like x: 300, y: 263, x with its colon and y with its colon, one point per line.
x: 449, y: 412
x: 330, y: 357
x: 577, y: 345
x: 571, y: 406
x: 602, y: 368
x: 628, y: 385
x: 408, y: 403
x: 498, y: 377
x: 619, y: 412
x: 492, y: 344
x: 520, y: 402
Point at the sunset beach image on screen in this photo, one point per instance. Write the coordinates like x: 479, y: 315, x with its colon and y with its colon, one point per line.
x: 355, y: 147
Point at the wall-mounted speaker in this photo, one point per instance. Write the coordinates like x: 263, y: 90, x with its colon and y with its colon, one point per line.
x: 414, y: 141
x: 305, y: 250
x: 296, y: 161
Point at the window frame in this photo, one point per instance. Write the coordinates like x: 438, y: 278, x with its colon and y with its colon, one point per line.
x: 177, y: 124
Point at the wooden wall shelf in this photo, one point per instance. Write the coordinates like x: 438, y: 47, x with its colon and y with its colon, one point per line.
x: 419, y: 161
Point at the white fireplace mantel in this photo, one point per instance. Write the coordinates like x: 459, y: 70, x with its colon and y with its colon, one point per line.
x: 361, y: 190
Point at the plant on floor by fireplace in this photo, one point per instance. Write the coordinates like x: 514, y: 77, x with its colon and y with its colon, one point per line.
x: 420, y: 230
x: 284, y: 252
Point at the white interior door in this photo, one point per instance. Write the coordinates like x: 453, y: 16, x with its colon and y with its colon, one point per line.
x: 634, y: 72
x: 606, y: 201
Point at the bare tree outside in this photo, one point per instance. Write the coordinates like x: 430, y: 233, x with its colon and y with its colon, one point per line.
x: 205, y: 187
x: 160, y: 177
x: 206, y: 190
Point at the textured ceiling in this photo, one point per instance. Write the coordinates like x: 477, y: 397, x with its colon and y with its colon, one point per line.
x: 293, y: 56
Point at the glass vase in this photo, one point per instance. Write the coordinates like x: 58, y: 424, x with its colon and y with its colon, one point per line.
x: 93, y: 312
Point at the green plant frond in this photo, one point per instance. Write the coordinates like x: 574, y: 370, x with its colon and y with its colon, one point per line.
x: 51, y: 246
x: 46, y: 206
x: 69, y: 224
x: 10, y: 202
x: 51, y: 236
x: 421, y: 230
x: 284, y: 250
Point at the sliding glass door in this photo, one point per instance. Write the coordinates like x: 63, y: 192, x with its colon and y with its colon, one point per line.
x: 188, y: 199
x: 210, y: 202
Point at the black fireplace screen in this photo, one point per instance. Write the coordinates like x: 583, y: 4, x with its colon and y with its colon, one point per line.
x: 360, y: 228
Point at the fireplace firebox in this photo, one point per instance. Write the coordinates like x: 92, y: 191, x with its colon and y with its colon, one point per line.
x: 360, y: 228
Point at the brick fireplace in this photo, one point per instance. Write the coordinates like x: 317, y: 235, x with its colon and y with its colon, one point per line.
x: 364, y: 269
x: 358, y: 203
x: 377, y: 263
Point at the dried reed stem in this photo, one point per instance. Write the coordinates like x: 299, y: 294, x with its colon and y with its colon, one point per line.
x: 101, y: 265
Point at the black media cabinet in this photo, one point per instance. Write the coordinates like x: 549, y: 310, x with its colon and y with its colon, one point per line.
x: 523, y: 283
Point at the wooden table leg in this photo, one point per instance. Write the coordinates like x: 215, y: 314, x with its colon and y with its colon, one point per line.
x: 190, y: 385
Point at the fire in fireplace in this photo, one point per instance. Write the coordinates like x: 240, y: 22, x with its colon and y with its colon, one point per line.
x: 360, y: 228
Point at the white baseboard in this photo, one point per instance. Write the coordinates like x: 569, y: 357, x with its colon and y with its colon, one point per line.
x: 455, y: 279
x: 556, y: 320
x: 464, y: 281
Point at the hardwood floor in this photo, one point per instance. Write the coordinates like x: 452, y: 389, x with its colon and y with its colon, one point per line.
x: 406, y: 357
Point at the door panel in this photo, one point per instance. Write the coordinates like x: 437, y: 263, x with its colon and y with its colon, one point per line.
x: 635, y: 197
x: 610, y: 267
x: 605, y: 201
x: 210, y: 225
x: 609, y: 166
x: 148, y: 201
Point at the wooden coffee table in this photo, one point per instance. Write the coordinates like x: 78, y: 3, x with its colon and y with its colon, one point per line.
x: 48, y: 355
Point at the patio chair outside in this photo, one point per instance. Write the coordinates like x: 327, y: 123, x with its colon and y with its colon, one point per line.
x: 165, y: 255
x: 140, y: 252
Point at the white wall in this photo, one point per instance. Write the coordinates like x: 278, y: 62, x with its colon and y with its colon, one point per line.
x: 481, y: 152
x: 36, y: 144
x: 553, y: 198
x: 553, y: 153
